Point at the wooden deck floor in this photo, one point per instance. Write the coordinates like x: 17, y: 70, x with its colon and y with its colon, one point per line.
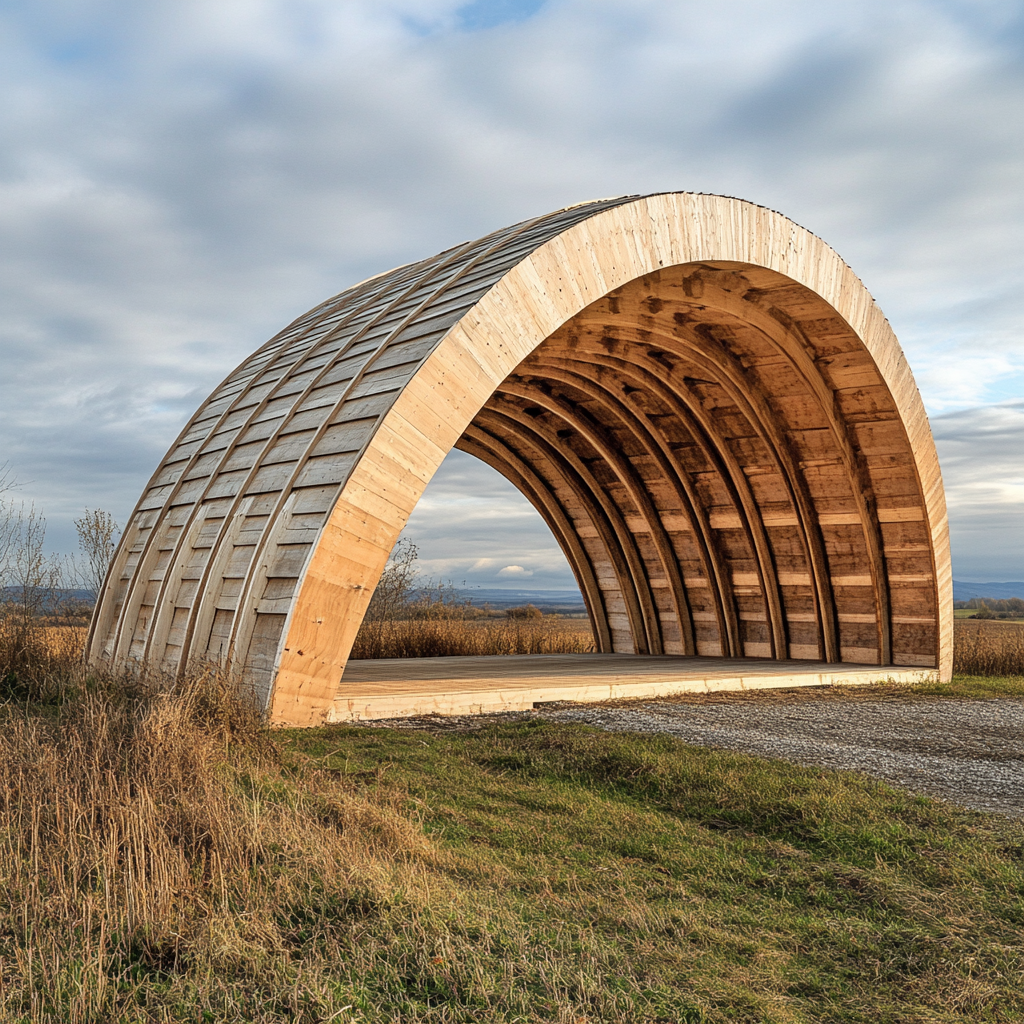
x: 402, y: 687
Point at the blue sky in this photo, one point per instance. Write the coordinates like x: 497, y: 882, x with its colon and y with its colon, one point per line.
x: 179, y: 180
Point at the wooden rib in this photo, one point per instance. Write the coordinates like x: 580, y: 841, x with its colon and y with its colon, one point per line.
x: 717, y: 453
x: 678, y: 480
x: 597, y: 437
x: 499, y: 456
x: 604, y: 513
x: 786, y: 338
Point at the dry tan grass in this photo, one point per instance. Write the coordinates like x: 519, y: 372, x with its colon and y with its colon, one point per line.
x: 65, y: 641
x: 148, y: 835
x: 35, y: 655
x: 983, y: 647
x: 434, y: 638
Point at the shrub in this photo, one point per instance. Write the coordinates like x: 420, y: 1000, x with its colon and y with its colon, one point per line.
x: 524, y: 611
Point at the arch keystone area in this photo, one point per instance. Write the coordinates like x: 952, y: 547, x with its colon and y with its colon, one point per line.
x: 699, y: 397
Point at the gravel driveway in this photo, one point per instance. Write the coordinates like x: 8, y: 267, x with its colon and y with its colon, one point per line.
x: 970, y: 752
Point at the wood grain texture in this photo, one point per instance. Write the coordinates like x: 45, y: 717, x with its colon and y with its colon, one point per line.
x: 404, y: 687
x: 701, y: 399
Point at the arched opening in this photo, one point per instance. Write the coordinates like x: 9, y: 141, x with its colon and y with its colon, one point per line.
x: 701, y: 400
x: 699, y: 456
x: 476, y: 531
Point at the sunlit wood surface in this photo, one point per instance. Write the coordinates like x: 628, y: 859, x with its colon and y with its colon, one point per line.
x: 699, y: 397
x: 404, y: 687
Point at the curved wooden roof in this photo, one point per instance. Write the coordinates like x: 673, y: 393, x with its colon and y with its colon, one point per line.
x: 701, y: 399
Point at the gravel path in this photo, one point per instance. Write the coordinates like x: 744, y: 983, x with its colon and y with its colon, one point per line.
x: 970, y: 752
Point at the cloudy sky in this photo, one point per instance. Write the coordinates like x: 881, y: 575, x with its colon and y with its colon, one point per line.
x: 180, y: 179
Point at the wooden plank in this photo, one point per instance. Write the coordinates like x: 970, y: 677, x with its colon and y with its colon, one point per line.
x: 398, y: 688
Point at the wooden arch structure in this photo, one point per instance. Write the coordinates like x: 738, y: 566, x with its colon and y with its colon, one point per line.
x: 699, y: 397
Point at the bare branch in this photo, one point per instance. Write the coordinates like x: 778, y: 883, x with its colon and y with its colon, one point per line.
x: 97, y: 541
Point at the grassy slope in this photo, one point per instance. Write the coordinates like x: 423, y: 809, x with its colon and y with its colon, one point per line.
x: 165, y: 865
x: 634, y: 878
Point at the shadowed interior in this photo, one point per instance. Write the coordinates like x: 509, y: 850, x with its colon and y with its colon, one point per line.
x: 725, y: 471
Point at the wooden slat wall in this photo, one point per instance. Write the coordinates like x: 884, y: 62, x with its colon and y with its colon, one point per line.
x: 700, y: 397
x: 214, y: 534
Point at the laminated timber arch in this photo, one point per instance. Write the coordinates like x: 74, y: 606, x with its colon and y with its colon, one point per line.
x: 699, y: 397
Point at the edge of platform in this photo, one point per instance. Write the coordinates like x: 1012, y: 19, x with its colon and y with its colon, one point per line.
x: 522, y: 696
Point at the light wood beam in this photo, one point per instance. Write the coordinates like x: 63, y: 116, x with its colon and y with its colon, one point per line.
x: 627, y: 475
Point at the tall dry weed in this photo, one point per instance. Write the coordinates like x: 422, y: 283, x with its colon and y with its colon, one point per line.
x: 37, y: 658
x: 435, y: 638
x: 153, y: 838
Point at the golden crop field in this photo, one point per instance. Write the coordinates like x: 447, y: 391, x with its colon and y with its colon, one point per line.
x: 986, y: 647
x: 432, y: 638
x: 981, y: 647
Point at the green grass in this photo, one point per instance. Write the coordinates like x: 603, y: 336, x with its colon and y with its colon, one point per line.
x: 979, y: 687
x: 597, y: 877
x: 165, y: 859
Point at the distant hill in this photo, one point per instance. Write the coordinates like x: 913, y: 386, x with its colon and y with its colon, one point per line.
x: 570, y: 602
x: 48, y: 598
x: 561, y: 602
x: 992, y: 591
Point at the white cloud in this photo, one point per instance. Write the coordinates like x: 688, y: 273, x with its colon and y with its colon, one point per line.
x: 981, y: 452
x: 178, y: 180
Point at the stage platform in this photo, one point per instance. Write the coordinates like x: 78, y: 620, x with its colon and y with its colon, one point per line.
x: 403, y: 687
